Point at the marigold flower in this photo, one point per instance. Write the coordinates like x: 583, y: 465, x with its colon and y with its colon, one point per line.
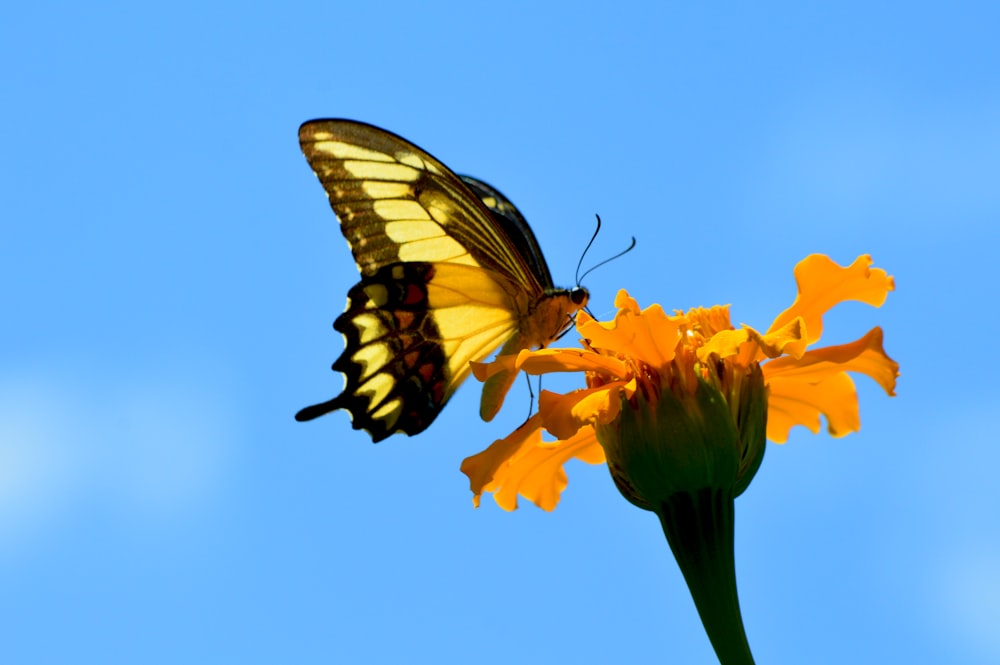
x: 649, y: 359
x: 680, y: 407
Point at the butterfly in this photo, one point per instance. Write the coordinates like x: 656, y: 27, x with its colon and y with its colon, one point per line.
x: 450, y: 271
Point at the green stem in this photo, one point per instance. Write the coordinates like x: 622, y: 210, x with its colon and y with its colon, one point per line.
x: 699, y: 528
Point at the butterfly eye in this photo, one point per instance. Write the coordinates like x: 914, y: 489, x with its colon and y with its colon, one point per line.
x: 579, y: 296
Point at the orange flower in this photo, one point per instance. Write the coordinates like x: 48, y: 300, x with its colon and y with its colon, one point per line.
x: 684, y: 401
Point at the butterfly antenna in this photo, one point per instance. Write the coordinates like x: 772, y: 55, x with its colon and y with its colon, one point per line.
x: 608, y: 260
x: 586, y: 249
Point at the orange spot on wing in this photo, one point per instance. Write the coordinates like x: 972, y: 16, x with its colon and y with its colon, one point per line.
x: 414, y: 295
x: 404, y: 320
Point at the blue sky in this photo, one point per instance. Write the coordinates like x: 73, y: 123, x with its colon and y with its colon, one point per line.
x: 170, y: 271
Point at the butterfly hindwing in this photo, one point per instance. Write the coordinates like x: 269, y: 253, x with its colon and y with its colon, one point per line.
x: 394, y: 364
x: 450, y: 271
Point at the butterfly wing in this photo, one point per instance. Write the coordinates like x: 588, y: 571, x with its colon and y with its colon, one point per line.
x: 514, y: 226
x: 396, y: 203
x: 449, y: 272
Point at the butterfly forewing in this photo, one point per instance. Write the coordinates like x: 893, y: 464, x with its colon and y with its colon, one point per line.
x: 515, y: 227
x: 395, y: 203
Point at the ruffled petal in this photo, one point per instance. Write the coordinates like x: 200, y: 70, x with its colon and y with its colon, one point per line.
x: 563, y: 415
x: 707, y: 321
x: 790, y: 339
x: 648, y: 335
x: 486, y: 469
x: 499, y: 365
x: 797, y: 401
x: 725, y: 343
x: 545, y: 361
x: 823, y: 283
x: 523, y: 464
x: 626, y: 303
x: 865, y: 356
x: 802, y: 389
x: 746, y: 345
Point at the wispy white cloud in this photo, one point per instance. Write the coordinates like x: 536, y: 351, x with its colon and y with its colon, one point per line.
x: 955, y: 516
x: 142, y: 449
x: 40, y: 468
x: 970, y: 597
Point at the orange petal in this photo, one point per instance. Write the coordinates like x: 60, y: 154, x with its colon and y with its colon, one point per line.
x: 724, y: 343
x: 650, y: 335
x: 545, y: 361
x: 500, y: 364
x: 563, y: 415
x: 657, y: 337
x: 486, y: 469
x: 746, y: 345
x: 865, y: 356
x: 523, y: 464
x: 790, y: 339
x: 800, y: 390
x: 794, y: 401
x: 708, y: 321
x: 822, y: 284
x: 624, y: 301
